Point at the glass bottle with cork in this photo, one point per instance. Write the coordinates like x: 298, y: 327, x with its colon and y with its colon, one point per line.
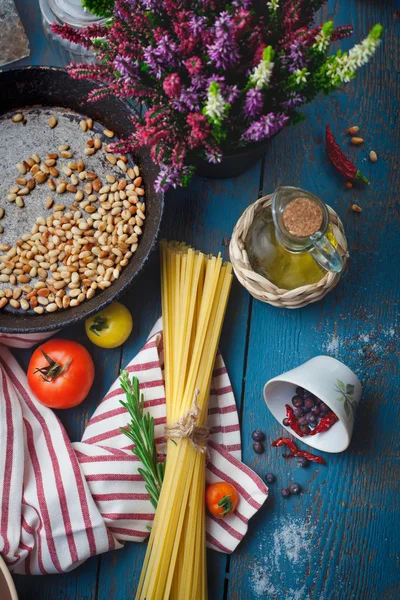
x: 291, y: 242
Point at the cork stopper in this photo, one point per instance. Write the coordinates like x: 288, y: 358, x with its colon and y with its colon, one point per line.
x: 302, y: 217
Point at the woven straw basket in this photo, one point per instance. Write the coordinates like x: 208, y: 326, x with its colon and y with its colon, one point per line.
x: 260, y: 287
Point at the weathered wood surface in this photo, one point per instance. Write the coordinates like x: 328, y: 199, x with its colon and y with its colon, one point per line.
x: 340, y: 538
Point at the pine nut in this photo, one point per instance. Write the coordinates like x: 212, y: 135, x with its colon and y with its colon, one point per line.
x: 83, y: 125
x: 108, y: 133
x: 17, y: 118
x: 52, y: 122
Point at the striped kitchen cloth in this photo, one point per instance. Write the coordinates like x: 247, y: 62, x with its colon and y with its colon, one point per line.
x: 62, y: 502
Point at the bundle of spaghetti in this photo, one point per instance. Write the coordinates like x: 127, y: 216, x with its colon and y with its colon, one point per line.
x: 194, y: 290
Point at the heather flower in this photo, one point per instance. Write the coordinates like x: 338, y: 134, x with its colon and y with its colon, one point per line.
x: 172, y: 85
x: 197, y: 25
x: 128, y: 69
x: 300, y: 76
x: 265, y: 127
x: 213, y: 157
x: 341, y: 68
x: 296, y: 59
x: 193, y: 65
x: 205, y: 75
x: 261, y: 74
x: 188, y: 100
x: 292, y: 102
x: 216, y: 107
x: 160, y: 57
x: 200, y: 128
x: 223, y: 51
x: 253, y: 104
x: 323, y: 38
x: 341, y: 32
x: 171, y: 177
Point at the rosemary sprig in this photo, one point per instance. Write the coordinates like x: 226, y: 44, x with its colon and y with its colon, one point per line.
x: 141, y: 432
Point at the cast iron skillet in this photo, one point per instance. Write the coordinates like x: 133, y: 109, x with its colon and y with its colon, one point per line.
x: 50, y: 86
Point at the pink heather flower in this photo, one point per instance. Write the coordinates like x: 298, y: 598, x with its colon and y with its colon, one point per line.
x: 193, y: 65
x: 172, y: 85
x: 200, y: 128
x: 241, y: 22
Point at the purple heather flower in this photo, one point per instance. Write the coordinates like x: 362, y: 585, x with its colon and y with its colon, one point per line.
x: 151, y: 5
x: 224, y: 51
x: 197, y: 25
x: 188, y: 100
x: 253, y: 104
x: 292, y: 102
x: 242, y: 4
x: 127, y: 67
x: 297, y: 58
x: 213, y: 157
x: 169, y: 176
x: 265, y: 127
x: 230, y: 93
x: 162, y: 56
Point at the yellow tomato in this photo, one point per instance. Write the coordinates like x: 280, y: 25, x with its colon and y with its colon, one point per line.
x: 110, y: 327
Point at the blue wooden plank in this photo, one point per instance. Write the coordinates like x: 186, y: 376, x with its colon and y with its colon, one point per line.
x: 204, y: 216
x: 339, y: 538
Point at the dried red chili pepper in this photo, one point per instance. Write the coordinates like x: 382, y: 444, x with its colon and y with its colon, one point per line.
x: 340, y: 160
x: 294, y: 451
x: 325, y: 423
x: 286, y: 442
x: 293, y: 421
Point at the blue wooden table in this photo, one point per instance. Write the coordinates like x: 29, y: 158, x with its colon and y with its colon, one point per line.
x: 340, y: 539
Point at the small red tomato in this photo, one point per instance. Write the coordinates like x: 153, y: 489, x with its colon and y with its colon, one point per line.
x: 60, y: 373
x: 221, y: 499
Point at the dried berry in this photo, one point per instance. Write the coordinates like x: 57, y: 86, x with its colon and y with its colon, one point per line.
x: 300, y: 391
x: 270, y: 478
x: 294, y: 488
x: 285, y: 492
x: 285, y: 422
x: 297, y: 401
x: 258, y: 435
x: 258, y: 447
x: 303, y: 462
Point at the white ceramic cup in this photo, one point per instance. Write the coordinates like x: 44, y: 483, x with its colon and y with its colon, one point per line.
x: 332, y: 382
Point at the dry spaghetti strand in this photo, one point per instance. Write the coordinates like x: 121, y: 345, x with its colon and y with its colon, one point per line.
x: 194, y: 292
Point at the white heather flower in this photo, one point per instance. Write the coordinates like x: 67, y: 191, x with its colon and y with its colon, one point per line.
x: 323, y: 38
x: 344, y: 66
x: 273, y: 4
x: 361, y: 53
x: 215, y: 105
x: 261, y: 74
x: 301, y: 76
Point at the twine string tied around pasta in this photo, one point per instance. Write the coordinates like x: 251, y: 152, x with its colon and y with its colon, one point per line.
x: 186, y: 427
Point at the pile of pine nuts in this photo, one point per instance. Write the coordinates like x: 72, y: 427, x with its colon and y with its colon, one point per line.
x: 80, y: 248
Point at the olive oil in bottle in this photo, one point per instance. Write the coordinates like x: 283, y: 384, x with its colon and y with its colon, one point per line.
x: 270, y: 259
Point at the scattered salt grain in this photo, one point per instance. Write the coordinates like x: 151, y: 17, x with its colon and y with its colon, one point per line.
x: 290, y: 552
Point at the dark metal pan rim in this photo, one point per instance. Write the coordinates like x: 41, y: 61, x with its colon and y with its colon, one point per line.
x: 113, y: 113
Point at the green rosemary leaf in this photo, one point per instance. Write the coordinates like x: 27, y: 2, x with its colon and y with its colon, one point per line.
x: 140, y: 431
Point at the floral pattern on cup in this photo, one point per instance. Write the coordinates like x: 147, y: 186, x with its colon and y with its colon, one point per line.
x: 346, y: 392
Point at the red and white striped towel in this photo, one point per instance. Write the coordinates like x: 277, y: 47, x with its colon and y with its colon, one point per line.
x: 62, y: 502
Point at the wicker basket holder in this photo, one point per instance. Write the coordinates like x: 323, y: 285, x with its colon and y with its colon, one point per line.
x: 260, y: 287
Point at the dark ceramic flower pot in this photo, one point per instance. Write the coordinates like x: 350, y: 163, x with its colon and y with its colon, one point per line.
x: 234, y: 162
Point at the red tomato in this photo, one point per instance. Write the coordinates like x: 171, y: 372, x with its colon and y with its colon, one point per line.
x: 60, y: 373
x: 221, y: 499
